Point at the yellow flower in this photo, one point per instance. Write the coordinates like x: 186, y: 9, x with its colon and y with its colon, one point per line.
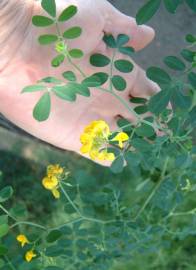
x: 51, y: 180
x: 56, y: 193
x: 22, y: 239
x: 54, y: 170
x: 103, y: 155
x: 30, y: 255
x: 94, y: 139
x: 120, y: 138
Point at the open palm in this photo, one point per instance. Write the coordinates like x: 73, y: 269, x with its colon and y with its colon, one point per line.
x: 24, y: 61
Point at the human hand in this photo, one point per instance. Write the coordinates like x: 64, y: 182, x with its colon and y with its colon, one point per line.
x: 23, y: 62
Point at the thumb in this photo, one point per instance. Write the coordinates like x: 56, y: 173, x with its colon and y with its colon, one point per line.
x: 119, y: 23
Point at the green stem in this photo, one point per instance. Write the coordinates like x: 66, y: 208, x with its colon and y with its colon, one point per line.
x: 151, y: 195
x: 67, y: 56
x: 126, y: 105
x: 76, y: 67
x: 123, y: 127
x: 111, y: 70
x: 70, y: 201
x: 97, y: 220
x: 191, y: 212
x: 67, y: 223
x: 7, y: 213
x: 82, y: 217
x: 116, y: 197
x: 28, y: 223
x: 181, y: 146
x: 9, y: 263
x: 58, y: 29
x: 138, y: 117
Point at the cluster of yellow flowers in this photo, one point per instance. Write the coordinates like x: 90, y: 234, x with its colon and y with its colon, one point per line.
x: 51, y: 180
x: 30, y: 254
x: 95, y: 140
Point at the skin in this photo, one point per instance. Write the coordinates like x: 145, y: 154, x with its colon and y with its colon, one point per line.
x: 23, y: 61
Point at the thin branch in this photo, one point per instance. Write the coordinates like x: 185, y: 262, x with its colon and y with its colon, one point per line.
x: 151, y: 195
x: 7, y: 213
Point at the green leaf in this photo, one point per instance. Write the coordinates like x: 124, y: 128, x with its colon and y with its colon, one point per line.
x: 192, y: 79
x: 119, y: 82
x: 147, y: 11
x: 191, y: 4
x: 124, y: 66
x: 76, y: 53
x: 73, y: 32
x: 95, y: 80
x: 183, y: 161
x: 47, y: 39
x: 34, y: 88
x: 159, y: 101
x: 66, y: 92
x: 3, y: 219
x: 174, y: 63
x: 122, y: 39
x: 109, y: 41
x: 127, y: 51
x: 19, y: 211
x: 138, y: 100
x: 188, y: 55
x: 67, y: 13
x: 4, y: 229
x: 49, y: 6
x: 66, y: 230
x: 6, y: 193
x: 171, y: 5
x: 42, y: 109
x: 133, y: 159
x: 141, y: 145
x: 179, y: 99
x: 42, y: 21
x: 117, y: 165
x: 173, y: 124
x: 190, y: 38
x: 69, y: 209
x: 124, y: 124
x: 81, y: 89
x: 69, y: 75
x: 2, y: 264
x: 50, y: 79
x: 3, y: 250
x: 53, y: 236
x: 145, y: 131
x: 54, y: 251
x: 82, y: 243
x: 103, y: 77
x: 91, y: 81
x: 58, y: 60
x: 159, y: 76
x: 141, y: 109
x: 99, y: 60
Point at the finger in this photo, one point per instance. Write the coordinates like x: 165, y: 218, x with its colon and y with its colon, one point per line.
x: 118, y: 23
x: 143, y: 87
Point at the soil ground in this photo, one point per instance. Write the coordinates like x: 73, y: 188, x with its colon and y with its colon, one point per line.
x: 170, y: 31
